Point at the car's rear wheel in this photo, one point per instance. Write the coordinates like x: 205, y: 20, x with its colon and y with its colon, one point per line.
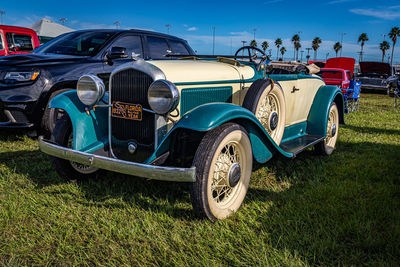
x: 223, y: 164
x: 70, y: 171
x: 267, y: 102
x: 327, y: 146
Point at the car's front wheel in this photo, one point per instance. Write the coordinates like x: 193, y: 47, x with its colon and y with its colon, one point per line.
x: 223, y: 164
x: 70, y: 171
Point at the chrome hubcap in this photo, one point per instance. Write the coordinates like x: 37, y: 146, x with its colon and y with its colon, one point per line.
x: 234, y: 175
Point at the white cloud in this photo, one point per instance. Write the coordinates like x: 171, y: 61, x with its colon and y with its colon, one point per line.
x: 339, y: 1
x: 378, y: 13
x: 191, y: 29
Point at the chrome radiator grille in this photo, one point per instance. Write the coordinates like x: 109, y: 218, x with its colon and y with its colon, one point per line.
x: 130, y: 86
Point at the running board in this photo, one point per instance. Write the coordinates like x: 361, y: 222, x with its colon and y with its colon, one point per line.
x: 297, y: 145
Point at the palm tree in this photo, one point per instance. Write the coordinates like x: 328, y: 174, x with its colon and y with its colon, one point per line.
x: 362, y: 38
x: 295, y: 39
x: 383, y: 47
x: 337, y: 47
x: 315, y: 45
x: 253, y: 43
x: 264, y: 45
x: 283, y: 51
x: 278, y: 43
x: 393, y: 34
x: 297, y: 46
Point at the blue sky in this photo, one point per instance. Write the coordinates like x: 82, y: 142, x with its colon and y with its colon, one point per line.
x: 234, y: 21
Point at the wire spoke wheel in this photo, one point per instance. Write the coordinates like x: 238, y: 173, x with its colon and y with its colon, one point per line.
x: 223, y: 164
x: 332, y: 127
x: 265, y: 99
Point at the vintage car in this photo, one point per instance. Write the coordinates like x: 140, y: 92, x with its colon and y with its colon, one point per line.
x: 378, y: 76
x: 28, y: 82
x: 197, y: 119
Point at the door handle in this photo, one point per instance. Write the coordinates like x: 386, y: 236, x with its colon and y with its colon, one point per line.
x: 295, y: 89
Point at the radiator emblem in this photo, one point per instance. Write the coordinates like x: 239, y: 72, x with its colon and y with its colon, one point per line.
x: 126, y: 111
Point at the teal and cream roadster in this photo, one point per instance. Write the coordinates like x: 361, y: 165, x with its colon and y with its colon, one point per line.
x: 201, y: 120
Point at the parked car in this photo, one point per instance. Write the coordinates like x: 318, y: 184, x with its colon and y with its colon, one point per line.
x: 338, y: 77
x: 17, y: 40
x: 377, y: 76
x: 28, y: 82
x: 338, y: 71
x: 197, y: 120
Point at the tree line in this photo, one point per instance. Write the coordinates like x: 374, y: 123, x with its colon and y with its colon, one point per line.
x: 316, y: 43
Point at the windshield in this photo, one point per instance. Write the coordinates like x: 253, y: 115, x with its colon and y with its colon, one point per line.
x: 330, y: 74
x: 76, y: 43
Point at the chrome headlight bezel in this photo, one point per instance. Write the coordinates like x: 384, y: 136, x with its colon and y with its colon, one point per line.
x: 163, y: 97
x: 90, y: 89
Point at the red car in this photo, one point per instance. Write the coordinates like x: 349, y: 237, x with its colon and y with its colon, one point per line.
x: 338, y: 71
x: 17, y: 40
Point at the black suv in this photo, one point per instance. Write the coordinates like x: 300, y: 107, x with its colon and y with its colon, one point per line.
x: 28, y: 82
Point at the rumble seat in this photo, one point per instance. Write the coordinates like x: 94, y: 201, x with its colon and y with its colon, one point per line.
x: 291, y: 67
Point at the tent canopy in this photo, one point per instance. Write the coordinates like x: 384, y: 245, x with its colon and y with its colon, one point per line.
x: 48, y: 28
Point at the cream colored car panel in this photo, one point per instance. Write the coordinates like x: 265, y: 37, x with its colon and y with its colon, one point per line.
x: 298, y: 102
x: 181, y: 71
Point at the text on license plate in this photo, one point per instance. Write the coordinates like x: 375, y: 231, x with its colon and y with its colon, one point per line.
x: 126, y: 111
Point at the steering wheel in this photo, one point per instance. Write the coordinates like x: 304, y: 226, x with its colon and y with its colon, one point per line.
x: 251, y: 52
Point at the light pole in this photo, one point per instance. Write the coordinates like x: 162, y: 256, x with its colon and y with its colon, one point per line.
x: 308, y: 53
x: 254, y: 31
x: 341, y: 42
x: 327, y: 55
x: 168, y: 27
x: 270, y: 53
x: 2, y: 12
x: 301, y: 57
x: 63, y: 20
x: 117, y: 23
x: 213, y: 28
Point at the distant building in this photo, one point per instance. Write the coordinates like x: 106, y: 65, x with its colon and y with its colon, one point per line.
x: 47, y: 29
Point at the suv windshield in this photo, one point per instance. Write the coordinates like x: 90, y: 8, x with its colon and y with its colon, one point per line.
x: 76, y: 43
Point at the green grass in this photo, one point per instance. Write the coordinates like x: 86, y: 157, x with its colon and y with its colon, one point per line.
x: 337, y: 210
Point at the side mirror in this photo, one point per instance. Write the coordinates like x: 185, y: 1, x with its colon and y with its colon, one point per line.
x: 117, y: 52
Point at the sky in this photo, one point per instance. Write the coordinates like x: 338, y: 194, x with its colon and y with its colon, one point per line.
x: 234, y: 21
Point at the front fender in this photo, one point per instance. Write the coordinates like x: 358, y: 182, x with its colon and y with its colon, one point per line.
x: 319, y: 112
x: 90, y: 131
x: 209, y: 116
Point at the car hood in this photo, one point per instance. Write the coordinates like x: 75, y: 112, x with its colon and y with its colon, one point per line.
x: 197, y: 71
x: 375, y: 67
x: 345, y: 63
x: 36, y: 59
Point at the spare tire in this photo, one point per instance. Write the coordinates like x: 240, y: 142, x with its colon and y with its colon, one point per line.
x: 265, y: 99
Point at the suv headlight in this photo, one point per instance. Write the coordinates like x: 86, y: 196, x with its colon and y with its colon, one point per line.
x: 90, y: 89
x: 22, y: 76
x: 163, y: 96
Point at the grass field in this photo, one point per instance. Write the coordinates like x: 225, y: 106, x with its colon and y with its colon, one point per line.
x: 337, y: 210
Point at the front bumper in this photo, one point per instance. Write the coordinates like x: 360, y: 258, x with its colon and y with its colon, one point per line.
x: 126, y: 167
x: 8, y: 120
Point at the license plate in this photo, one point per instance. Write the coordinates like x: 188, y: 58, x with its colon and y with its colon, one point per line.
x: 126, y: 111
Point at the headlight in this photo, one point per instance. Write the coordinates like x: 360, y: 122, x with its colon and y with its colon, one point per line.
x: 90, y: 89
x: 163, y: 96
x: 22, y: 76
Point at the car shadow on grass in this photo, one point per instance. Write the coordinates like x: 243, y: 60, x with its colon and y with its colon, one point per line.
x: 371, y: 130
x: 339, y: 210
